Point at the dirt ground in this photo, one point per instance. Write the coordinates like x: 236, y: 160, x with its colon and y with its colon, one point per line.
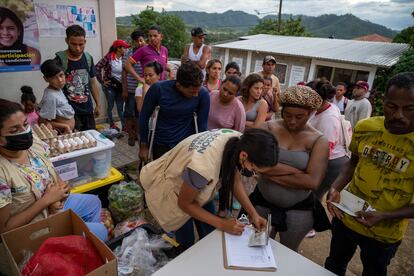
x: 401, y: 264
x: 317, y: 249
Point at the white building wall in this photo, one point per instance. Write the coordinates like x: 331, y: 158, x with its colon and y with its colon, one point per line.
x: 10, y: 82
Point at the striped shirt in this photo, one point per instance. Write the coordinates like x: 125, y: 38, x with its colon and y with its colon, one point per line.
x: 132, y: 82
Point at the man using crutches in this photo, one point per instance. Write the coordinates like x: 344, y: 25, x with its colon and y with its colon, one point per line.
x: 183, y: 110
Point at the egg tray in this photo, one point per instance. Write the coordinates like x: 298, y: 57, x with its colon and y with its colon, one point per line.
x: 70, y: 142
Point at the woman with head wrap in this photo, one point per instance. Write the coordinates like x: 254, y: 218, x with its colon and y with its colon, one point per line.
x: 286, y: 190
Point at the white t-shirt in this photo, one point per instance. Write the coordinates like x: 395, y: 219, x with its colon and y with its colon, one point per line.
x: 340, y: 104
x: 328, y: 122
x: 116, y: 67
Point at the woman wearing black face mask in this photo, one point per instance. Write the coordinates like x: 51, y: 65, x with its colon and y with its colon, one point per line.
x: 30, y: 189
x: 286, y: 189
x: 180, y: 185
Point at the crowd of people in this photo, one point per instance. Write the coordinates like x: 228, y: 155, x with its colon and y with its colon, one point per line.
x: 211, y: 131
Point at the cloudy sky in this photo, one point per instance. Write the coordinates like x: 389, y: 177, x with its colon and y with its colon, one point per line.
x: 395, y: 14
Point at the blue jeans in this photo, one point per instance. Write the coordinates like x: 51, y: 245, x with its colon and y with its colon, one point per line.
x: 185, y: 235
x: 375, y: 255
x: 88, y: 207
x: 112, y: 97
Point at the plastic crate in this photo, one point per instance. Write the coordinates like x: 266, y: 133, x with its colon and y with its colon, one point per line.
x: 113, y: 177
x: 86, y: 165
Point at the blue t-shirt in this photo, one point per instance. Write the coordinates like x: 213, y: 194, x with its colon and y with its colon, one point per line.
x: 175, y: 119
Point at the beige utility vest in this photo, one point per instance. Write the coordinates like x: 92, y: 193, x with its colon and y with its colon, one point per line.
x: 24, y: 195
x: 161, y: 179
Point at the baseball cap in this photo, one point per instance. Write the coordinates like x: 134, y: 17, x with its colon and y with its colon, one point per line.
x: 197, y: 31
x: 120, y: 43
x: 269, y: 58
x: 363, y: 84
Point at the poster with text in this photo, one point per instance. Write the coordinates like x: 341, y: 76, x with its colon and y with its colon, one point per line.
x: 53, y: 19
x: 19, y: 36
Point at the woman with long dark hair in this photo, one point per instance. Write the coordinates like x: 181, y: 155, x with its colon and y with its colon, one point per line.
x: 111, y: 65
x: 180, y: 185
x: 253, y: 103
x: 11, y: 38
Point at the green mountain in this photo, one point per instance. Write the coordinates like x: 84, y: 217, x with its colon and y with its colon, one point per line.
x: 345, y: 26
x: 340, y: 26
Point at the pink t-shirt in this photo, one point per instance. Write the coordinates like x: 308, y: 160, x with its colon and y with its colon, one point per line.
x: 148, y: 54
x: 328, y: 122
x: 231, y: 116
x: 32, y: 118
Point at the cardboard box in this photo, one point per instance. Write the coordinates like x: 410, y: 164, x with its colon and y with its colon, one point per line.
x: 31, y: 236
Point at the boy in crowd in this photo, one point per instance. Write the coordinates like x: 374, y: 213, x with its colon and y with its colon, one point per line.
x: 197, y: 51
x: 178, y: 100
x: 153, y: 51
x: 359, y: 107
x: 80, y: 74
x: 54, y: 107
x: 129, y: 85
x: 269, y: 66
x: 340, y: 100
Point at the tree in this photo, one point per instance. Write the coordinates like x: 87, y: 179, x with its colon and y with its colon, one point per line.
x: 404, y: 64
x: 124, y: 32
x: 291, y: 27
x: 405, y: 36
x: 172, y: 27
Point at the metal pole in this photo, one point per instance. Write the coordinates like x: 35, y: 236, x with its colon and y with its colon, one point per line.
x: 280, y: 16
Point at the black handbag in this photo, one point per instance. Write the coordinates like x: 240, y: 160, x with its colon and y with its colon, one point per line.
x: 116, y: 84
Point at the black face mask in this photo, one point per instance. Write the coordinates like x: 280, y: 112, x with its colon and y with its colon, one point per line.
x: 21, y: 141
x: 245, y: 172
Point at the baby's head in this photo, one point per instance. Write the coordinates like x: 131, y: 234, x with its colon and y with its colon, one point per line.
x: 28, y: 99
x: 53, y: 74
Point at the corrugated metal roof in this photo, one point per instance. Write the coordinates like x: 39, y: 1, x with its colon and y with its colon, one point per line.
x: 361, y: 52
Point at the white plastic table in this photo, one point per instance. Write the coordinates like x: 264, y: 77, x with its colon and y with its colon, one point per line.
x: 206, y: 258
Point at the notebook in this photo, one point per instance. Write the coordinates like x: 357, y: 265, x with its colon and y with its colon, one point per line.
x: 237, y: 253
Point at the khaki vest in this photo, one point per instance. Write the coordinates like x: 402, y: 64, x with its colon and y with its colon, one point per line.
x: 161, y: 179
x: 18, y: 182
x: 22, y: 201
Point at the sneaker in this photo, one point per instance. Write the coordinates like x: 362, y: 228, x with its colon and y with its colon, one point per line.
x: 311, y: 234
x: 131, y: 141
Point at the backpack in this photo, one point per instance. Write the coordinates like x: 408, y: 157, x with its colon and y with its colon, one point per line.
x: 63, y: 57
x: 346, y: 133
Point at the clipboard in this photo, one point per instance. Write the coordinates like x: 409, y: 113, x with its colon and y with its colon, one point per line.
x: 227, y: 266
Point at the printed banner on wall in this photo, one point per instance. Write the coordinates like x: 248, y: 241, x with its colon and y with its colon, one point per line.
x: 19, y: 36
x: 54, y: 19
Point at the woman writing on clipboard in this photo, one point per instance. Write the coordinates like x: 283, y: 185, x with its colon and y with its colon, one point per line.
x: 179, y: 186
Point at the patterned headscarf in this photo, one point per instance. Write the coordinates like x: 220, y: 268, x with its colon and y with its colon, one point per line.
x: 300, y: 95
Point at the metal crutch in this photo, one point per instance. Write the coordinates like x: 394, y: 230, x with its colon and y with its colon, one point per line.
x: 195, y: 121
x: 151, y: 134
x: 154, y: 125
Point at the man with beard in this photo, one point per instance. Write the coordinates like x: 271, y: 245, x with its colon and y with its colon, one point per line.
x: 80, y: 76
x: 380, y: 172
